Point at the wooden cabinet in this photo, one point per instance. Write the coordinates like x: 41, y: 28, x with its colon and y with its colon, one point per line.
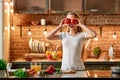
x: 30, y: 6
x: 117, y: 6
x: 63, y: 6
x: 101, y: 6
x: 47, y: 6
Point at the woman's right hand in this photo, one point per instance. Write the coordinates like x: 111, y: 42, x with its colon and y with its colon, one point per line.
x: 62, y: 23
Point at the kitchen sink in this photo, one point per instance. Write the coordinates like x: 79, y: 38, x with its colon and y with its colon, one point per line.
x: 20, y: 65
x: 15, y: 65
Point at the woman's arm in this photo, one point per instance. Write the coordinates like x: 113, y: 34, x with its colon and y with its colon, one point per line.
x: 52, y: 35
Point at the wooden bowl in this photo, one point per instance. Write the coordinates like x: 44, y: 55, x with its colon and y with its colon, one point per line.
x: 34, y: 22
x: 27, y: 57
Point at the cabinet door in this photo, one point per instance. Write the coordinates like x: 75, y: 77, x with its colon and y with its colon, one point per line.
x: 99, y: 6
x: 65, y: 5
x: 117, y: 6
x: 30, y: 6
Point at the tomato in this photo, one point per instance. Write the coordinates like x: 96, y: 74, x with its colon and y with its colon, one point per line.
x: 66, y: 21
x: 50, y: 69
x: 50, y: 57
x: 74, y: 21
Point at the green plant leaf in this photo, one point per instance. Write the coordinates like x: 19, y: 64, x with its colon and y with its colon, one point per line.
x: 97, y: 50
x: 3, y: 64
x: 20, y: 73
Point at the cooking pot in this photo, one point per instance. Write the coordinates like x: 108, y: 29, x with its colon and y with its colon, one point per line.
x: 115, y: 69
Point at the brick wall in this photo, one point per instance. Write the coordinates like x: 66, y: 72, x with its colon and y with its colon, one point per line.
x: 106, y: 39
x: 19, y: 44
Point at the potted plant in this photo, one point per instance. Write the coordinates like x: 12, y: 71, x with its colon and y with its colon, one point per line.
x: 97, y: 51
x: 3, y: 65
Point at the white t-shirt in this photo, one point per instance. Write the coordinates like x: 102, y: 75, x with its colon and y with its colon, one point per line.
x: 72, y: 48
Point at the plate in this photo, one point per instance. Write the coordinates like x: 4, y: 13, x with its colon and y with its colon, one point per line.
x: 36, y: 45
x: 33, y: 44
x: 30, y: 43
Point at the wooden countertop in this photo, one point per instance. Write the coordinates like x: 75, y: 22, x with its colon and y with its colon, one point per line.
x: 59, y: 60
x: 102, y: 60
x: 37, y: 60
x: 78, y: 74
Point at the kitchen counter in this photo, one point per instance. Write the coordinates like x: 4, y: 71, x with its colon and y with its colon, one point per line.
x: 82, y: 74
x: 90, y: 65
x: 78, y: 74
x: 102, y: 60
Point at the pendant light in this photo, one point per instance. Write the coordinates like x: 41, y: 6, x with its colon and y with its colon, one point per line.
x: 12, y: 27
x: 29, y: 32
x: 45, y: 31
x: 96, y: 39
x: 6, y: 28
x: 114, y: 34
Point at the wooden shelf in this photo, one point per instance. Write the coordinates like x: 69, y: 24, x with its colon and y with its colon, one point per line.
x: 36, y: 60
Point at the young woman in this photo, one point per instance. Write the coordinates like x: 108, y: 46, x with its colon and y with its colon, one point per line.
x: 72, y: 42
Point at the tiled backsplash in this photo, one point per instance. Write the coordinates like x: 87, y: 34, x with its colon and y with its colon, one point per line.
x: 19, y: 45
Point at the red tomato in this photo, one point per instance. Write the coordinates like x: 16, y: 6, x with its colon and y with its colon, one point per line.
x: 50, y: 69
x: 66, y: 21
x: 50, y: 57
x: 74, y: 21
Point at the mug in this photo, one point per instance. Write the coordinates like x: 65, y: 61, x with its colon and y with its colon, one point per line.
x: 43, y: 22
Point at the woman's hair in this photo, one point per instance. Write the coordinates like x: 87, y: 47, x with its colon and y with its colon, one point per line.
x: 79, y: 29
x: 75, y: 14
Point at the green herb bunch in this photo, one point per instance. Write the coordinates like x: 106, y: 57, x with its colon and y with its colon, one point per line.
x: 20, y: 73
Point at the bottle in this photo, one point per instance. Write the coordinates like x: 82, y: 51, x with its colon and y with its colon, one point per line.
x: 111, y: 52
